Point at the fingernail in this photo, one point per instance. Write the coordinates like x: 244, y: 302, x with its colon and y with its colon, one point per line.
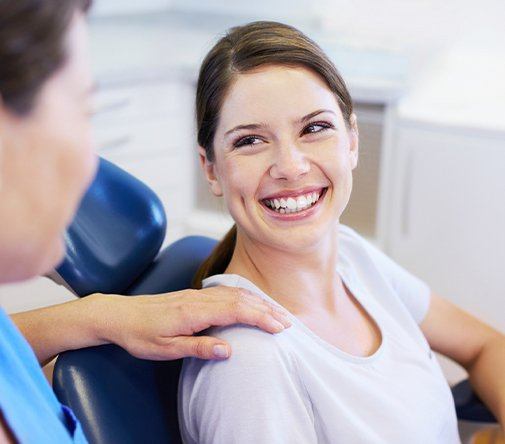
x: 220, y: 351
x: 277, y: 325
x: 285, y: 321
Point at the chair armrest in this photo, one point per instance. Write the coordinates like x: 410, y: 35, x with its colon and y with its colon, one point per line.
x: 468, y: 405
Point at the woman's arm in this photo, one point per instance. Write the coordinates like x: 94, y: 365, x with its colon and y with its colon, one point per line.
x: 473, y: 344
x: 149, y: 327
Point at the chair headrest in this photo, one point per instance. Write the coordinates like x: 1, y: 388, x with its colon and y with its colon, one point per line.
x: 115, y: 235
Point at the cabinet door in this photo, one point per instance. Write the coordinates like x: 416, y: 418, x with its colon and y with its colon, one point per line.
x: 147, y: 128
x: 448, y: 216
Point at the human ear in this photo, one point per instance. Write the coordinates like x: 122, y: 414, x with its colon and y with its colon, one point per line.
x: 354, y: 140
x: 208, y: 168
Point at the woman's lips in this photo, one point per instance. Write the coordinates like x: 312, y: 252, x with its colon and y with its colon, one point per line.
x: 291, y: 213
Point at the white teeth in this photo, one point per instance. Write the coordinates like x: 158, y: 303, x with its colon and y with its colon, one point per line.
x: 301, y: 202
x: 291, y: 203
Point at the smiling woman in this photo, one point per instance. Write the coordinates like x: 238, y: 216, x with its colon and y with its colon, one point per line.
x: 248, y: 51
x: 288, y: 156
x: 279, y: 142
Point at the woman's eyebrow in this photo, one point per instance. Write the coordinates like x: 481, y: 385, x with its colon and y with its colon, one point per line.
x: 255, y: 126
x: 315, y: 113
x: 250, y: 126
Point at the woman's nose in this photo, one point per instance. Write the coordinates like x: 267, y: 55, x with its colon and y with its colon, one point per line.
x: 289, y: 163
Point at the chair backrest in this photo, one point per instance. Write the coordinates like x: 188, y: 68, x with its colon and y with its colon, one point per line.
x: 111, y: 245
x: 117, y: 397
x: 115, y: 235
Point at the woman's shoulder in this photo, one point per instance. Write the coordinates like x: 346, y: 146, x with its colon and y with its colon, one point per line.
x: 251, y: 347
x: 359, y: 250
x: 221, y: 399
x: 256, y: 357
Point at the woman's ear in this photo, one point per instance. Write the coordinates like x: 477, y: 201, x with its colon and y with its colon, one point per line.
x: 208, y: 168
x: 354, y: 140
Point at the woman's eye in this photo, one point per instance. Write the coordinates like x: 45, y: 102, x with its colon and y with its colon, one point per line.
x: 248, y: 140
x: 316, y: 127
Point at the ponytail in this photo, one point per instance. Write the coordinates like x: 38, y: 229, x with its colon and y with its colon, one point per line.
x: 218, y: 260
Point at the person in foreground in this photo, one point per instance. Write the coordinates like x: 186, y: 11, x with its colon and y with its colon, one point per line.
x: 46, y: 164
x: 279, y: 141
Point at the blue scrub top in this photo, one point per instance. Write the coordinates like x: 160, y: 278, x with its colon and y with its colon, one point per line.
x: 27, y: 402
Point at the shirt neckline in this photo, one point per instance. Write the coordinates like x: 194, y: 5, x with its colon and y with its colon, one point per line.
x: 348, y: 280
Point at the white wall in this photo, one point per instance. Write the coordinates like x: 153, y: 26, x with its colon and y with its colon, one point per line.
x: 452, y: 45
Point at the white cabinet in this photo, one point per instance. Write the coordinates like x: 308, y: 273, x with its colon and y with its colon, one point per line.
x: 147, y: 128
x: 448, y: 219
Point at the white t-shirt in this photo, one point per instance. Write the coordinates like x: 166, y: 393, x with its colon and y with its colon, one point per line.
x: 294, y: 387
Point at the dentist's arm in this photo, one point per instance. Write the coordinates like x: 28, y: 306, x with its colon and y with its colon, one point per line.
x: 149, y: 327
x: 473, y: 344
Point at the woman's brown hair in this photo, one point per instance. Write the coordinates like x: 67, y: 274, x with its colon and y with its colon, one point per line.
x: 32, y: 47
x: 242, y: 49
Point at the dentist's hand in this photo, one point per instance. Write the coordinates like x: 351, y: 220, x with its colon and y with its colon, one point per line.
x: 161, y: 327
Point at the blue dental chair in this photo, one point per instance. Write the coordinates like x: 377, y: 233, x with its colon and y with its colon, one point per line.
x: 113, y: 247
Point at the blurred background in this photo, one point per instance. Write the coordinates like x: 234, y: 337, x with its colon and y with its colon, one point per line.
x: 427, y: 78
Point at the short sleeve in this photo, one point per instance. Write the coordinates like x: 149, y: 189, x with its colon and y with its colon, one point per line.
x: 254, y: 396
x: 412, y: 291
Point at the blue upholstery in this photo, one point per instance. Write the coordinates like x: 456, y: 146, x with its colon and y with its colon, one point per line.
x: 120, y: 398
x: 117, y: 397
x: 175, y: 266
x: 468, y: 405
x: 117, y: 232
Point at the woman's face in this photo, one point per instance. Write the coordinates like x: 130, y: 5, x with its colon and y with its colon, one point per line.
x: 283, y: 157
x: 46, y: 164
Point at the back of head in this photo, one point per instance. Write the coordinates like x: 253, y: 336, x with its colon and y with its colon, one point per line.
x: 242, y: 49
x: 32, y: 46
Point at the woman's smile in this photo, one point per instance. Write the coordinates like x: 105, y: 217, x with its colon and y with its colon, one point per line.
x: 294, y: 205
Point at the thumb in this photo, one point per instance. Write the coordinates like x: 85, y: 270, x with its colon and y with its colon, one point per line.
x: 203, y: 347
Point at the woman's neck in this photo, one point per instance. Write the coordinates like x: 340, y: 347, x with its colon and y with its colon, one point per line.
x: 301, y: 281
